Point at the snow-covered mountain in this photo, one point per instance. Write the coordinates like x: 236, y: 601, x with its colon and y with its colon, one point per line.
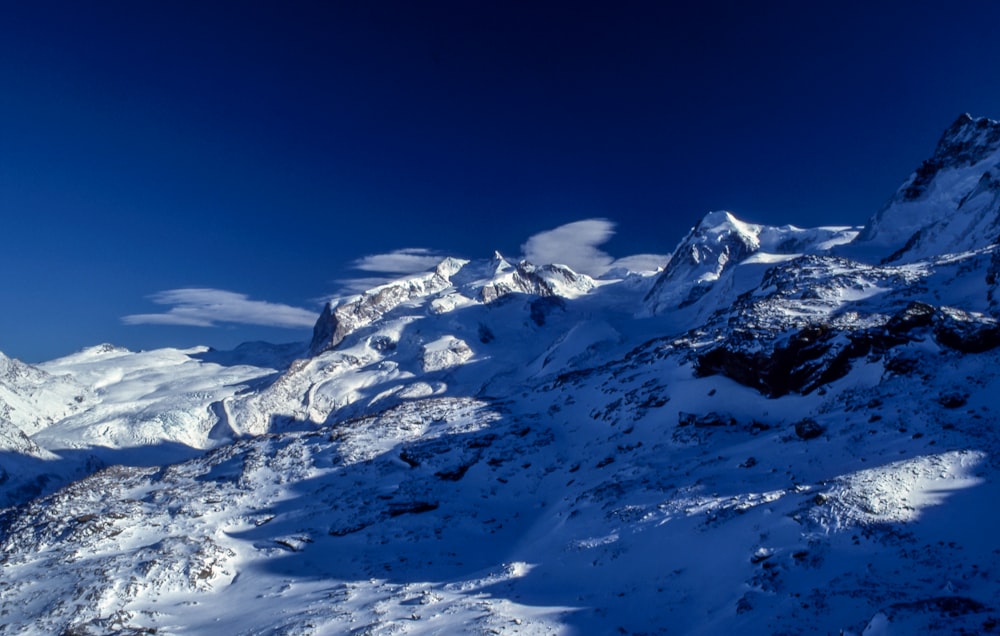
x: 785, y: 431
x: 721, y: 242
x: 951, y: 203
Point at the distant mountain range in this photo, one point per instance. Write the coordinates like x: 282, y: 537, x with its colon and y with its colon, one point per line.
x: 782, y: 430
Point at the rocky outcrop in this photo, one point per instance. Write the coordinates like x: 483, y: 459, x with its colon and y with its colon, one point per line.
x: 816, y: 355
x: 807, y: 360
x: 339, y: 320
x: 965, y: 143
x: 966, y: 331
x: 544, y: 281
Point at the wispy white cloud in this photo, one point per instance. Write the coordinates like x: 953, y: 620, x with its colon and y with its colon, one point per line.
x: 202, y: 307
x: 409, y: 260
x: 361, y: 284
x: 576, y: 245
x: 391, y: 265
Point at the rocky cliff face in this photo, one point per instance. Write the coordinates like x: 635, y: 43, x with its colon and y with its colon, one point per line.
x: 484, y: 282
x: 951, y: 203
x: 340, y: 319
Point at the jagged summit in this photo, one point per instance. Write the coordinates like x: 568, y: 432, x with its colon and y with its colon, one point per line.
x: 452, y: 283
x: 717, y: 242
x: 721, y: 241
x: 966, y: 142
x: 951, y: 203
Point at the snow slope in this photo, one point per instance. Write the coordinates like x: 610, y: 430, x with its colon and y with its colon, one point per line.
x: 785, y: 431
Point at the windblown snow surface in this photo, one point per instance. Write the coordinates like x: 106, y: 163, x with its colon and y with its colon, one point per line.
x: 785, y: 431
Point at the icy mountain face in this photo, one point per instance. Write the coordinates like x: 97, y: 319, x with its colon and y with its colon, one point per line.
x: 951, y: 203
x: 483, y: 282
x: 32, y: 399
x: 721, y: 242
x: 767, y: 437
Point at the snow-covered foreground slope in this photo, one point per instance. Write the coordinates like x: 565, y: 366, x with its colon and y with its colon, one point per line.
x: 767, y: 437
x: 629, y: 498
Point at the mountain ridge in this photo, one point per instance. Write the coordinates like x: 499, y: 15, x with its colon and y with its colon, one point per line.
x: 786, y: 430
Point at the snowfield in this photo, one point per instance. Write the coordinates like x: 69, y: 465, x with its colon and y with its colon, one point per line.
x: 784, y: 431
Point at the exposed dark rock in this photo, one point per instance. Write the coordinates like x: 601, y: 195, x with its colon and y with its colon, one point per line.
x: 410, y: 507
x: 819, y: 354
x: 966, y: 142
x: 453, y: 475
x: 922, y: 178
x: 965, y: 332
x: 708, y: 420
x: 809, y: 359
x: 409, y: 459
x: 808, y: 428
x: 382, y: 344
x: 953, y: 400
x: 346, y: 530
x: 992, y: 278
x: 913, y: 316
x: 943, y: 605
x: 901, y: 365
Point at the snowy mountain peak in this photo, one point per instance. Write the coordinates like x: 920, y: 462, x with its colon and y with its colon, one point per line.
x: 450, y: 266
x: 967, y: 141
x: 716, y: 226
x: 344, y: 317
x: 545, y: 280
x: 951, y: 203
x: 452, y: 283
x: 716, y: 243
x: 721, y: 241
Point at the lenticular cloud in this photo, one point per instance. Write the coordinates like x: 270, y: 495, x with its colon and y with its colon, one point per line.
x: 404, y: 261
x: 205, y: 307
x: 574, y: 245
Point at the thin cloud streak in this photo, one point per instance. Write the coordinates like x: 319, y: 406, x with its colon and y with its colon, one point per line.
x: 409, y: 260
x: 393, y: 265
x: 575, y: 245
x: 205, y: 307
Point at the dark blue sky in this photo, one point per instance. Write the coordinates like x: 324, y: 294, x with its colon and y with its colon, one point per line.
x: 263, y: 147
